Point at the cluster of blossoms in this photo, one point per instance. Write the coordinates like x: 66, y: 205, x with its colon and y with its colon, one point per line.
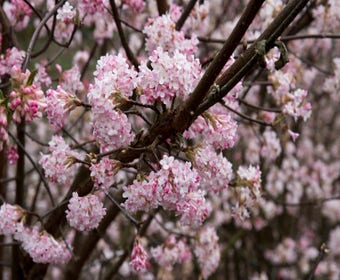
x: 85, y: 213
x: 170, y: 76
x: 161, y: 32
x: 174, y: 187
x: 218, y: 130
x: 59, y: 164
x: 65, y: 22
x: 207, y: 251
x: 12, y: 57
x: 271, y: 147
x: 26, y: 100
x: 59, y: 103
x: 114, y: 82
x: 171, y: 252
x: 248, y: 191
x: 18, y: 13
x: 292, y: 99
x: 214, y: 169
x: 41, y: 246
x: 139, y: 257
x: 102, y: 173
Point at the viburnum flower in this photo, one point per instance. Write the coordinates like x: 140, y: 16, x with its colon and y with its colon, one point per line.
x: 161, y: 32
x: 66, y: 13
x: 56, y: 164
x: 207, y: 251
x: 12, y: 57
x: 137, y: 5
x: 42, y: 247
x: 10, y: 216
x: 139, y: 257
x: 85, y: 213
x: 247, y: 192
x: 59, y: 103
x: 222, y: 131
x: 174, y: 187
x: 214, y: 169
x: 69, y: 80
x: 171, y: 252
x: 26, y: 100
x: 12, y: 155
x: 102, y: 173
x: 114, y: 76
x: 271, y: 147
x: 170, y: 76
x: 18, y: 13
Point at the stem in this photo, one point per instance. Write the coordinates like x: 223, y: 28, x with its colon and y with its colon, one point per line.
x: 185, y: 14
x: 125, y: 44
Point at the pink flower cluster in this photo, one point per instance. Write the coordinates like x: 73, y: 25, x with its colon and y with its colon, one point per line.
x: 247, y: 190
x: 26, y: 100
x: 113, y: 76
x: 214, y: 169
x: 139, y: 257
x: 102, y: 173
x: 69, y: 80
x: 171, y: 75
x: 12, y: 57
x: 136, y: 5
x: 271, y: 147
x: 85, y: 213
x: 292, y: 99
x: 161, y: 33
x: 174, y: 187
x: 57, y: 165
x: 114, y: 81
x: 9, y: 217
x: 41, y: 246
x: 207, y: 251
x: 18, y: 13
x: 59, y: 103
x: 171, y: 252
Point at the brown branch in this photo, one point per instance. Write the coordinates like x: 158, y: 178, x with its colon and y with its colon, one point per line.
x: 125, y: 44
x: 217, y: 65
x: 162, y: 7
x: 185, y: 14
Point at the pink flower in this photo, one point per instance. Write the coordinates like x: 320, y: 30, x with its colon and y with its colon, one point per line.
x: 12, y: 155
x: 18, y: 13
x: 139, y: 257
x: 161, y: 33
x: 171, y: 75
x: 207, y: 251
x: 10, y: 216
x: 103, y: 173
x: 59, y: 103
x: 12, y: 57
x: 42, y: 247
x: 85, y: 213
x: 56, y: 165
x: 171, y: 252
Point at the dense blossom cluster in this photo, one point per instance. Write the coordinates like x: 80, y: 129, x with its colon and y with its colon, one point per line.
x: 59, y: 164
x: 174, y: 187
x: 118, y: 88
x: 85, y: 213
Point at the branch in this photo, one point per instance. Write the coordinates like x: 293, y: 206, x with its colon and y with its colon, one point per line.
x: 185, y: 14
x: 217, y: 64
x: 125, y: 44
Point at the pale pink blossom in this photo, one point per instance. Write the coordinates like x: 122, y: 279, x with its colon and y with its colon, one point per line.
x: 56, y: 164
x: 10, y: 216
x: 85, y: 213
x: 139, y: 257
x: 12, y: 155
x: 102, y: 173
x: 207, y: 251
x: 271, y: 147
x: 18, y: 13
x: 12, y: 57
